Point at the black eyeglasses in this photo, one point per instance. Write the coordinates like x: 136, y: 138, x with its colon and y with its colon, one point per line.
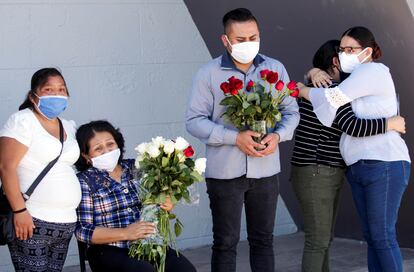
x: 347, y: 49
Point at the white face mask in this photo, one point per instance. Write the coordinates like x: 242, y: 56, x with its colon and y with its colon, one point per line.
x: 350, y: 62
x: 107, y: 161
x: 244, y: 52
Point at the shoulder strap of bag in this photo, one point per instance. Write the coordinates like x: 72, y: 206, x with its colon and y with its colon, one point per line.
x: 48, y: 167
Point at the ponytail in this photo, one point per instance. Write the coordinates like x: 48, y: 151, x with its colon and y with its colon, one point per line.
x: 27, y: 103
x: 376, y: 51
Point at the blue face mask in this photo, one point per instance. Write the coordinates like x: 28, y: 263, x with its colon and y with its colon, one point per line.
x: 52, y: 105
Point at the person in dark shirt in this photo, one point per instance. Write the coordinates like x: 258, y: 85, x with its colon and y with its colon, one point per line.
x: 318, y: 170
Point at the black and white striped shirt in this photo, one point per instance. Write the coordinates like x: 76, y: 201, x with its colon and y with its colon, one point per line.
x: 317, y: 144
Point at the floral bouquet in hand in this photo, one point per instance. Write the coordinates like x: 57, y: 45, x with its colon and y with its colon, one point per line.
x: 256, y: 106
x: 168, y: 169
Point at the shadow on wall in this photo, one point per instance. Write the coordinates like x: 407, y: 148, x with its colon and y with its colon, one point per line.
x: 291, y: 31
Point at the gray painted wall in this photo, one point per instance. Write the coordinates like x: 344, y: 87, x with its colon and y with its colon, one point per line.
x: 130, y: 62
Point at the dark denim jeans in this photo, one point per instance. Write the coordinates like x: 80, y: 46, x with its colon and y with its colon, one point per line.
x: 227, y: 197
x: 377, y: 189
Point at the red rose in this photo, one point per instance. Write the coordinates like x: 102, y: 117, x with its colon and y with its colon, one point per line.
x: 235, y: 85
x: 279, y: 85
x: 250, y: 85
x: 295, y: 93
x: 238, y: 85
x: 292, y: 85
x: 188, y: 152
x: 272, y: 77
x: 225, y: 87
x: 264, y: 73
x: 232, y: 79
x: 234, y: 92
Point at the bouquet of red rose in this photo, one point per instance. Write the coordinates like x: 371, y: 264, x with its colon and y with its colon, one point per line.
x: 256, y: 106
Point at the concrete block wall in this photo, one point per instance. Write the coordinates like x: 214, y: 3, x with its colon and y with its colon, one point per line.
x: 130, y: 62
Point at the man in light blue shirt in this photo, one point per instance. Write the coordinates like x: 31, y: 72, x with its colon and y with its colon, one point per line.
x: 236, y: 172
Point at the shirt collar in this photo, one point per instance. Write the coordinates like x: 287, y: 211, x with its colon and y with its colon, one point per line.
x: 227, y: 61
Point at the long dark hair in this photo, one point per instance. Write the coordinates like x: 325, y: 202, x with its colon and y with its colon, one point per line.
x: 39, y: 79
x: 323, y: 58
x: 87, y: 131
x: 365, y: 38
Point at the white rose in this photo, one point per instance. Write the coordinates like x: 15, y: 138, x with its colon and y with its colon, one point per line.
x: 181, y: 143
x: 141, y: 148
x: 153, y: 150
x: 139, y: 159
x: 200, y: 165
x: 158, y: 141
x: 169, y: 147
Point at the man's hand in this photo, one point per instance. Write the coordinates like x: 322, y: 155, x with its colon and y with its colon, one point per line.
x: 270, y: 141
x: 246, y: 143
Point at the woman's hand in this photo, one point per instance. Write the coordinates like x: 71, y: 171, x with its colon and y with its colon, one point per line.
x: 139, y: 230
x: 303, y: 90
x: 23, y: 225
x: 167, y: 205
x: 320, y: 78
x: 396, y: 123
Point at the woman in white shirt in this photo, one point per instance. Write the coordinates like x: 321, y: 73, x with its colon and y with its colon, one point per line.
x: 379, y: 166
x: 29, y: 140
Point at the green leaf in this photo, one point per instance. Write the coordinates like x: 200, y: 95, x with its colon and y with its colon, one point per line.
x: 260, y: 88
x: 278, y: 117
x: 172, y: 216
x: 251, y: 97
x: 196, y: 176
x: 161, y: 198
x: 250, y: 110
x: 176, y: 183
x: 245, y: 104
x: 230, y: 100
x: 178, y: 228
x: 164, y: 162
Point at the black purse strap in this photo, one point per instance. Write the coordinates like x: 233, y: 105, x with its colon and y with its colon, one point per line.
x: 48, y: 167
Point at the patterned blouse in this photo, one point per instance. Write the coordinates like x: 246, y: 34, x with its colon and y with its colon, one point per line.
x: 106, y: 202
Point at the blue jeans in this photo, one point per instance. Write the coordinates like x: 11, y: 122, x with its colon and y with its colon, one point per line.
x: 377, y: 189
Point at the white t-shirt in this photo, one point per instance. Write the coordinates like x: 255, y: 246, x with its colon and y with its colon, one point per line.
x: 58, y: 195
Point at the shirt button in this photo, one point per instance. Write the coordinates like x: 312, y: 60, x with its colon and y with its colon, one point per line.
x: 126, y: 191
x: 129, y: 210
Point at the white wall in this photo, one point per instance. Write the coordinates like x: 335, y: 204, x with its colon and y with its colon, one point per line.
x: 130, y: 62
x: 411, y: 5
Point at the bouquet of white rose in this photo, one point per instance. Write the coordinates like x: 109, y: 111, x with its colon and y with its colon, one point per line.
x: 167, y: 169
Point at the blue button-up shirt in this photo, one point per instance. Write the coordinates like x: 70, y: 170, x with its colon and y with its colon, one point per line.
x: 106, y: 202
x: 204, y: 119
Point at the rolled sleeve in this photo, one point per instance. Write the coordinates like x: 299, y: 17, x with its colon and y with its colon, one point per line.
x: 85, y: 225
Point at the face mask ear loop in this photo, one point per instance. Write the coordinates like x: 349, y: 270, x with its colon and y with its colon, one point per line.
x: 367, y: 57
x: 227, y: 38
